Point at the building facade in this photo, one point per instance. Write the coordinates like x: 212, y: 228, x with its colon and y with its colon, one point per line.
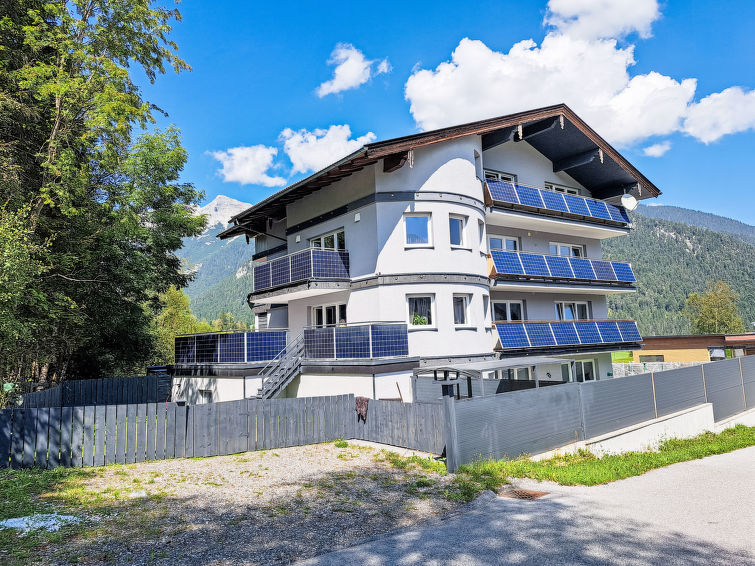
x: 466, y: 244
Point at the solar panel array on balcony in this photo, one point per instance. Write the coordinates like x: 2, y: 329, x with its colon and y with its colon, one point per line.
x: 506, y: 192
x: 516, y: 335
x: 560, y: 267
x: 301, y: 266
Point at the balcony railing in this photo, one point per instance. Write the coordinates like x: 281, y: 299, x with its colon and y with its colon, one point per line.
x: 305, y: 265
x: 230, y: 347
x: 524, y: 265
x: 550, y: 334
x: 551, y: 202
x: 356, y: 341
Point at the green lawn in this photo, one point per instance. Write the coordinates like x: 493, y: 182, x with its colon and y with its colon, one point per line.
x: 584, y: 468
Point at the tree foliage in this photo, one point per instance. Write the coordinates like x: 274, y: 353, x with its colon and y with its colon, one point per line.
x: 714, y: 311
x: 102, y: 211
x: 175, y: 318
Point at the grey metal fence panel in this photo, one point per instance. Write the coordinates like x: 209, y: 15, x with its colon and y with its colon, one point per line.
x: 100, y: 413
x: 77, y: 437
x: 42, y: 435
x: 613, y: 404
x: 180, y: 431
x: 141, y: 432
x: 678, y: 389
x: 170, y: 430
x: 509, y: 425
x: 120, y: 452
x: 53, y: 444
x: 30, y: 431
x: 88, y: 456
x: 66, y: 435
x: 111, y: 436
x: 723, y: 385
x: 162, y: 412
x: 748, y: 377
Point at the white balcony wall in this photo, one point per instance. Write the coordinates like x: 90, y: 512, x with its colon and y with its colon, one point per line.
x: 540, y: 306
x: 539, y: 242
x: 529, y: 165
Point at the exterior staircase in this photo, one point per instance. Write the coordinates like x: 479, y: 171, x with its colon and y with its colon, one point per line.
x: 280, y: 371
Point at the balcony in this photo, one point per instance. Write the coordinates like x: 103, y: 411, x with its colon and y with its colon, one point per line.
x: 356, y: 341
x: 230, y: 347
x: 529, y: 271
x: 532, y: 208
x: 299, y: 269
x: 567, y: 334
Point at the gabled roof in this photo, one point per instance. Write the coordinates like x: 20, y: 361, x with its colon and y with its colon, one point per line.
x: 555, y: 131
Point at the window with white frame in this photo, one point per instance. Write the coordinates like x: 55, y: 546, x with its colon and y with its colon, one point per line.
x: 328, y: 315
x: 205, y: 396
x: 485, y: 307
x: 562, y: 189
x: 520, y: 374
x: 481, y: 236
x: 566, y: 372
x: 493, y: 175
x: 335, y: 240
x: 461, y: 310
x: 420, y: 311
x: 585, y: 370
x: 568, y: 250
x: 457, y: 227
x: 503, y: 243
x: 418, y: 229
x: 572, y: 310
x: 504, y: 311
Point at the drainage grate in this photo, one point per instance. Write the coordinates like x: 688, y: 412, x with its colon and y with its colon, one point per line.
x: 526, y: 494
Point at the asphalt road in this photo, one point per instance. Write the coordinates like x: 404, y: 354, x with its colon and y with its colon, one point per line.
x: 699, y: 512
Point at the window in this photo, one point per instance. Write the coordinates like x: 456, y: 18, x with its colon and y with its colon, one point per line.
x: 457, y: 228
x: 485, y: 308
x: 420, y: 309
x: 562, y: 189
x: 566, y: 372
x: 417, y: 230
x: 328, y: 315
x: 568, y: 250
x: 481, y: 233
x: 461, y: 306
x: 492, y: 175
x: 330, y: 241
x: 503, y: 243
x: 572, y: 311
x: 205, y: 396
x: 520, y: 374
x: 584, y: 370
x: 507, y: 310
x: 652, y: 358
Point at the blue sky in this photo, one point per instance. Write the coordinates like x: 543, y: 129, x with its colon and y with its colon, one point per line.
x: 258, y: 70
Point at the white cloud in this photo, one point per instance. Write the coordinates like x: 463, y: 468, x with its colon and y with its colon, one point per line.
x: 592, y: 19
x: 352, y: 70
x: 726, y: 112
x: 576, y: 64
x: 657, y: 149
x: 311, y: 151
x: 248, y: 165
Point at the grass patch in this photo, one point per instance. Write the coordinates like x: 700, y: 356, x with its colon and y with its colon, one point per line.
x: 341, y: 443
x: 429, y: 464
x: 584, y: 468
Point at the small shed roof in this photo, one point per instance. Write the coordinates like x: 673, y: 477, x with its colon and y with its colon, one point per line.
x: 492, y: 365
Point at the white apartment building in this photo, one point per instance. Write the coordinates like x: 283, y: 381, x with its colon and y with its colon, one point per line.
x: 473, y: 243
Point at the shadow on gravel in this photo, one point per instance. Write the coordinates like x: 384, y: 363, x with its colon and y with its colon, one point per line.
x: 534, y: 532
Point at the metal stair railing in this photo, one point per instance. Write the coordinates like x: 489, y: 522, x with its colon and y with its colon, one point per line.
x: 282, y: 369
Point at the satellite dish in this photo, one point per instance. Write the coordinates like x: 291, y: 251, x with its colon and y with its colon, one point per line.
x: 628, y: 202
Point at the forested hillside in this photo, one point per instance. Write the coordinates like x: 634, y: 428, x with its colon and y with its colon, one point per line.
x: 672, y: 260
x: 702, y: 220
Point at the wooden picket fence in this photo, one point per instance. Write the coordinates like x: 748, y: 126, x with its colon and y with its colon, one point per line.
x: 153, y: 388
x: 123, y: 434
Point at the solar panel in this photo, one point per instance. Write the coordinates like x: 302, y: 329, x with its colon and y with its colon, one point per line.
x: 534, y: 265
x: 512, y: 335
x: 576, y: 205
x: 507, y: 262
x: 261, y: 276
x: 582, y: 268
x: 603, y: 270
x: 539, y: 333
x: 629, y: 332
x: 553, y: 201
x: 559, y: 266
x: 529, y: 196
x: 565, y: 333
x: 588, y: 332
x: 617, y: 213
x: 502, y: 191
x: 623, y: 271
x: 598, y: 209
x: 609, y: 331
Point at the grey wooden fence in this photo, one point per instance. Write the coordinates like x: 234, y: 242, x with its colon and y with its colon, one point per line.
x: 127, y: 433
x: 538, y: 420
x: 153, y: 388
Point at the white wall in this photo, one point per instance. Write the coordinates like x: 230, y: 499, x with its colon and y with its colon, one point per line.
x: 310, y: 385
x: 539, y: 242
x: 541, y: 306
x: 223, y: 388
x: 385, y: 386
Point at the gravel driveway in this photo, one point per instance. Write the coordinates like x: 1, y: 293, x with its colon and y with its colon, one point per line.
x: 267, y: 507
x: 700, y: 512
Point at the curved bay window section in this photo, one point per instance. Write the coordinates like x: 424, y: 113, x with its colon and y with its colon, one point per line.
x: 524, y: 266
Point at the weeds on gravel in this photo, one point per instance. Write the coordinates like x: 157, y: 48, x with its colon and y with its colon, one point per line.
x: 406, y: 462
x: 341, y: 443
x: 584, y: 468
